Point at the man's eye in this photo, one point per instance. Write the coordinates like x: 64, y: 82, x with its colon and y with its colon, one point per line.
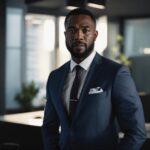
x: 70, y: 30
x: 85, y: 30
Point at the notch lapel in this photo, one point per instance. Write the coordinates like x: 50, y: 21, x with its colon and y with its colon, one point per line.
x: 59, y: 89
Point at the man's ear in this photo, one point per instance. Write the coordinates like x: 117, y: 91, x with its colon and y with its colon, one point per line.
x: 96, y: 34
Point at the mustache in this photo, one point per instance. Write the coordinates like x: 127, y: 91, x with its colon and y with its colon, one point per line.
x: 77, y: 43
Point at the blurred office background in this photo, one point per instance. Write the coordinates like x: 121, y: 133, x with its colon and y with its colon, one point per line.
x: 32, y: 44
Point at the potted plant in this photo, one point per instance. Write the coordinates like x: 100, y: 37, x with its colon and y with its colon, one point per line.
x: 26, y: 95
x: 117, y: 54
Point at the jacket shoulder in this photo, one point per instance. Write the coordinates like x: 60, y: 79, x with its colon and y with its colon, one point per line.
x: 59, y: 71
x: 110, y: 63
x: 62, y: 68
x: 109, y: 68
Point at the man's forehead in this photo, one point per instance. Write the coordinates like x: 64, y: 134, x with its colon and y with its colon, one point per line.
x: 82, y: 20
x: 78, y: 17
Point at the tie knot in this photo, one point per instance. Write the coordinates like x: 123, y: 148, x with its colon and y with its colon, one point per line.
x: 78, y: 68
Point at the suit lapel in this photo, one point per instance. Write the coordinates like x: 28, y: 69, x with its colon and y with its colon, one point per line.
x: 60, y: 86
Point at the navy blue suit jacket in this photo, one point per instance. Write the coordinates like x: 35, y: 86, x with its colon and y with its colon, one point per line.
x: 94, y: 126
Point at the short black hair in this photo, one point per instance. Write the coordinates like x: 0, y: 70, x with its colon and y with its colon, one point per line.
x: 80, y: 11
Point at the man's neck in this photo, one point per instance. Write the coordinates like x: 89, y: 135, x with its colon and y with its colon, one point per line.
x: 79, y: 60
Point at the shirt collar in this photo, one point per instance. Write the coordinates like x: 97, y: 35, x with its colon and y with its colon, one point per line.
x: 85, y: 64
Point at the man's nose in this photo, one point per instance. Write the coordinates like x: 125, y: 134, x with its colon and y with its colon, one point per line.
x: 79, y: 35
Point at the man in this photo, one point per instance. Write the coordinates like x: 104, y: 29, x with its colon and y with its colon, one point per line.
x: 103, y: 92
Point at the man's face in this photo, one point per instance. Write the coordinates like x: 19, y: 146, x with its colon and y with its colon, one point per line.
x: 80, y: 36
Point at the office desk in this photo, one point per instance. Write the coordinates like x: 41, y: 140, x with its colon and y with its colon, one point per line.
x: 23, y: 129
x: 28, y: 118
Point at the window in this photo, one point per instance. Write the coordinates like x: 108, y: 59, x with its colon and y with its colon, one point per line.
x: 63, y: 54
x: 101, y: 41
x: 13, y: 54
x: 137, y: 35
x: 40, y: 54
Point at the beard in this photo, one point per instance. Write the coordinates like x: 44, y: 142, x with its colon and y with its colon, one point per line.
x: 76, y: 53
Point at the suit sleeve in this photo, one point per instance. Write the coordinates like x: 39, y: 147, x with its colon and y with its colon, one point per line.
x: 50, y: 127
x: 129, y: 111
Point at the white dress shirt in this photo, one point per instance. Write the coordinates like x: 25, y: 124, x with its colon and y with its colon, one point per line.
x: 85, y: 64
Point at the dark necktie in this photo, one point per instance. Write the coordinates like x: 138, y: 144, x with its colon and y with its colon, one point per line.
x: 74, y: 92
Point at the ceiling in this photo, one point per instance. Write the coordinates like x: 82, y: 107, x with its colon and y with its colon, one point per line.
x: 113, y: 8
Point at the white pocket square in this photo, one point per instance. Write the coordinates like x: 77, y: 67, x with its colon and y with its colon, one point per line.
x: 95, y: 90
